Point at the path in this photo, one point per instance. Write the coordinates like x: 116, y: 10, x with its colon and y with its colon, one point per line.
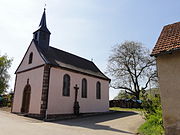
x: 121, y: 123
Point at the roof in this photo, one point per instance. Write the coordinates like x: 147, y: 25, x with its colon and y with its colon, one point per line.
x: 42, y: 25
x: 169, y: 39
x: 60, y: 58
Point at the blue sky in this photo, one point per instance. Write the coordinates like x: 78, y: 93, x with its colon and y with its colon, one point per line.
x: 88, y: 28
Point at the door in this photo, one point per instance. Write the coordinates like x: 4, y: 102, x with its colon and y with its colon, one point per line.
x: 26, y: 99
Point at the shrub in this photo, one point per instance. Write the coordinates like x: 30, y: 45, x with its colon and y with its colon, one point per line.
x: 153, y: 116
x: 153, y: 126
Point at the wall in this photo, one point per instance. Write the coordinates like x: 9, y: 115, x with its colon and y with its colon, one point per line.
x: 58, y: 104
x: 169, y: 79
x: 37, y: 60
x: 35, y: 77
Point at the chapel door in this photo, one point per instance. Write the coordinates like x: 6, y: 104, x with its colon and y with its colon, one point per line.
x: 26, y: 99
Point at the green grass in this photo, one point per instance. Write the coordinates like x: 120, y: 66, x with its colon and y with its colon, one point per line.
x: 149, y: 128
x: 125, y: 109
x: 153, y: 125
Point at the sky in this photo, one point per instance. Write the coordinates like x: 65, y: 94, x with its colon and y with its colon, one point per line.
x: 87, y: 28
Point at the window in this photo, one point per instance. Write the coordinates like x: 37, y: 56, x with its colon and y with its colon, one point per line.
x: 98, y: 90
x: 30, y: 58
x: 84, y: 88
x: 66, y: 85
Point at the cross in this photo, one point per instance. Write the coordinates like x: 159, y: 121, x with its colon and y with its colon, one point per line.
x: 76, y: 92
x: 76, y: 103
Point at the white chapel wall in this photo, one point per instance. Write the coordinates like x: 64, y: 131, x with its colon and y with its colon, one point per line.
x: 58, y: 104
x: 35, y: 77
x: 37, y: 60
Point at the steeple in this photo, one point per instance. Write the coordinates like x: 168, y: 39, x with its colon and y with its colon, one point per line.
x: 42, y: 35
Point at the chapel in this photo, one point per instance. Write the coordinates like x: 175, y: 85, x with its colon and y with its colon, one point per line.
x: 51, y: 82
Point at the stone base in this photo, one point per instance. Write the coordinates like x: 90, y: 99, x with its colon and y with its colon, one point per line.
x: 55, y: 117
x: 36, y: 116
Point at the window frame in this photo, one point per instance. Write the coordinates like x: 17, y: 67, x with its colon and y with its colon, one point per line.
x: 66, y: 85
x: 84, y: 88
x: 30, y: 58
x: 98, y: 90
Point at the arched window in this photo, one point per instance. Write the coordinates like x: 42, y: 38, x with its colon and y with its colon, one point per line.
x: 66, y: 85
x: 84, y: 88
x: 30, y: 58
x: 98, y: 90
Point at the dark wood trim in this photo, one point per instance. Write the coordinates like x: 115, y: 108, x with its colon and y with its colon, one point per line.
x: 30, y: 69
x: 14, y: 93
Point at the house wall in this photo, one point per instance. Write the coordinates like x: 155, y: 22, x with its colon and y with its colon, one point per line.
x: 169, y: 80
x: 58, y: 104
x: 35, y: 77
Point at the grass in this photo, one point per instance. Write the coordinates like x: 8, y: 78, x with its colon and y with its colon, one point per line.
x: 150, y: 127
x: 125, y: 109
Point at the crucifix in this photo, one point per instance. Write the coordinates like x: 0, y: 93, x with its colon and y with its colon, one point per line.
x: 76, y: 103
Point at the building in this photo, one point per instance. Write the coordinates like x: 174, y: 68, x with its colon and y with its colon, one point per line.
x: 167, y: 53
x: 47, y: 78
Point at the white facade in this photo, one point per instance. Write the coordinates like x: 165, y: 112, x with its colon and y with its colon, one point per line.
x: 35, y: 77
x: 57, y: 103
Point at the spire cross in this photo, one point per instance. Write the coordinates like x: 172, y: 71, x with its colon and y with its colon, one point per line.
x: 45, y: 5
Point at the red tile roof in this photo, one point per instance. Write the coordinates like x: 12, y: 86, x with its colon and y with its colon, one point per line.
x: 168, y: 40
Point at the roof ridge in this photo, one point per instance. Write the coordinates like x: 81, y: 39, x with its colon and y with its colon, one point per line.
x: 172, y: 24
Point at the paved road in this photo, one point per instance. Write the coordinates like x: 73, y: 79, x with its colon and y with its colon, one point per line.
x: 122, y: 123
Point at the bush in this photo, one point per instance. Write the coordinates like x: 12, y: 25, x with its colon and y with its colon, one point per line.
x: 153, y: 126
x: 6, y: 100
x: 153, y: 116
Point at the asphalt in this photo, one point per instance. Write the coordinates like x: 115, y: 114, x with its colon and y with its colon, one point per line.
x: 121, y: 123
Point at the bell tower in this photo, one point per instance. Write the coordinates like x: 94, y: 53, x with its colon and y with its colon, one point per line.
x: 42, y: 35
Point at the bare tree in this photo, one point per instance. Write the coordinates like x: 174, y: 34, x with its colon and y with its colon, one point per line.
x: 131, y: 67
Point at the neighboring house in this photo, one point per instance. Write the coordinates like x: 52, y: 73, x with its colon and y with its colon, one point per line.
x: 167, y: 53
x: 46, y: 77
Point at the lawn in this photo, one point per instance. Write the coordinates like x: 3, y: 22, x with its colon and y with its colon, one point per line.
x: 125, y: 109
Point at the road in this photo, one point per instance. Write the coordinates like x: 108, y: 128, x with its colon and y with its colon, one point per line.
x: 121, y: 123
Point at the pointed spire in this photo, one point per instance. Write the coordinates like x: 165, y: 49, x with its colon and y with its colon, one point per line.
x: 43, y: 19
x: 42, y: 35
x: 42, y: 25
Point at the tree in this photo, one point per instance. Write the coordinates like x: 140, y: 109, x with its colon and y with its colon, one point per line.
x: 123, y: 95
x: 131, y: 67
x: 5, y: 64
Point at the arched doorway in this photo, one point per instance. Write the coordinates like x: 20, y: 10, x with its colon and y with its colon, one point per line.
x: 26, y: 99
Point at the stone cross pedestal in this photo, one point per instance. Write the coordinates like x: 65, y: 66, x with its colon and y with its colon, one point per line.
x: 76, y: 103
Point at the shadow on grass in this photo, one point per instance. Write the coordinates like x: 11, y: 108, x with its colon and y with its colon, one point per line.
x: 92, y: 122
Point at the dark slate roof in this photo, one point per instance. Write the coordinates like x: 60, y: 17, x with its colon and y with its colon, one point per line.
x: 60, y: 58
x: 169, y: 39
x: 42, y: 25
